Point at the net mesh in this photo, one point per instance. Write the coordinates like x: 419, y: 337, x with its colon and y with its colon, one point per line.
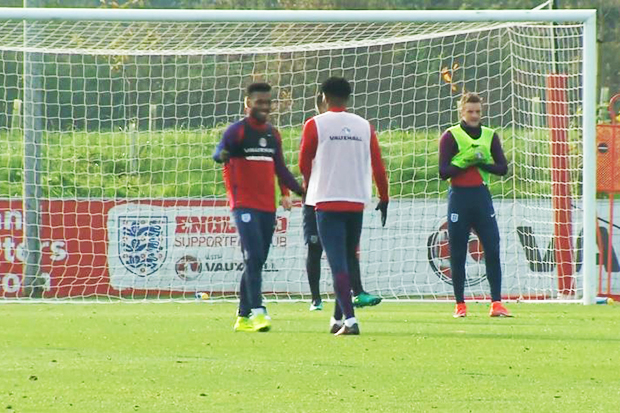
x: 133, y: 206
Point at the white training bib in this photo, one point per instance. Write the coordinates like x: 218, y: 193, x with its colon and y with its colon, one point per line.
x: 341, y: 170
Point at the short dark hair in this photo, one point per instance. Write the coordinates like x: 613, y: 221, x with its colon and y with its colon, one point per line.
x: 258, y: 87
x: 337, y: 87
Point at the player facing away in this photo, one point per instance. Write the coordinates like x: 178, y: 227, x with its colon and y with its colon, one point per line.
x: 468, y: 154
x: 251, y: 151
x: 315, y: 250
x: 339, y: 156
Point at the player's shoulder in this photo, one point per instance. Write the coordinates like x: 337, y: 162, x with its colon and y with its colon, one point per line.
x: 361, y: 121
x: 356, y: 117
x: 273, y: 130
x: 234, y: 131
x: 237, y: 125
x: 311, y: 121
x: 491, y: 131
x: 318, y: 116
x: 271, y: 127
x: 338, y: 116
x: 447, y: 134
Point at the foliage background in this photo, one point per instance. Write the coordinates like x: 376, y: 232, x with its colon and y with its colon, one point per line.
x: 608, y: 15
x: 116, y: 92
x: 108, y: 94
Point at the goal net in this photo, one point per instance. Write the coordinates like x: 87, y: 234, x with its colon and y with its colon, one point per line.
x: 108, y: 189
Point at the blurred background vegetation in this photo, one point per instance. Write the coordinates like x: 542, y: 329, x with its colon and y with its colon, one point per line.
x: 197, y: 95
x: 608, y: 15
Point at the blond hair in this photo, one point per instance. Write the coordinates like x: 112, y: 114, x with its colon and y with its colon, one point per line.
x: 469, y: 97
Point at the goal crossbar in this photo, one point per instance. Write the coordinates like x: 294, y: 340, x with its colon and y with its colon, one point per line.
x: 255, y: 16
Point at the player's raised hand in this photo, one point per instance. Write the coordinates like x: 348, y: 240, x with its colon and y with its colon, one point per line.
x: 383, y: 207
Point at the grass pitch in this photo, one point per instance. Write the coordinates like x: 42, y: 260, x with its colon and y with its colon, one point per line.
x: 410, y: 357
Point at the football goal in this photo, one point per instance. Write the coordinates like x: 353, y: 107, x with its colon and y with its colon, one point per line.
x: 108, y: 119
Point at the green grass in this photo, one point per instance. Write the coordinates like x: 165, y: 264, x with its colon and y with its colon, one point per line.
x: 178, y: 164
x: 410, y: 357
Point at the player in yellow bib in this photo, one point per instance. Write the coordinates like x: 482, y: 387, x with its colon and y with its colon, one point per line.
x: 468, y: 154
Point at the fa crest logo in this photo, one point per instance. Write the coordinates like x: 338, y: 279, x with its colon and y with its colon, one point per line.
x: 142, y: 246
x: 262, y: 142
x: 346, y: 131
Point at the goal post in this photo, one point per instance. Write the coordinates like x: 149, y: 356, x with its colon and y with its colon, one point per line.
x: 110, y: 192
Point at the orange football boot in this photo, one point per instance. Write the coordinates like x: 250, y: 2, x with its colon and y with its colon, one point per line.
x: 498, y: 310
x: 460, y: 310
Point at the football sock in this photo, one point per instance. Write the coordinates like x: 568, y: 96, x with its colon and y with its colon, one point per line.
x: 342, y: 288
x: 355, y: 274
x: 494, y: 276
x: 313, y: 268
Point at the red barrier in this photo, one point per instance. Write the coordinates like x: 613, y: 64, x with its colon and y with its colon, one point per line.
x: 74, y: 242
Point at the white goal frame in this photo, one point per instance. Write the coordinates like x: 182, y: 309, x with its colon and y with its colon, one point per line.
x: 589, y: 69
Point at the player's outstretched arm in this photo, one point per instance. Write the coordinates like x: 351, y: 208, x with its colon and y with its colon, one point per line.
x: 223, y: 148
x: 285, y: 176
x: 307, y: 150
x: 285, y: 197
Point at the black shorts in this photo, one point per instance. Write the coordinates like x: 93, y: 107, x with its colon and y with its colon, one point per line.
x: 311, y: 232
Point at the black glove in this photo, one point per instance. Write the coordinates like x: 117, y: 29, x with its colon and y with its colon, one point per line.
x: 382, y: 206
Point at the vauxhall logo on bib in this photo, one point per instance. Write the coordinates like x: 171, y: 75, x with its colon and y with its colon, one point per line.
x: 142, y: 246
x: 345, y: 135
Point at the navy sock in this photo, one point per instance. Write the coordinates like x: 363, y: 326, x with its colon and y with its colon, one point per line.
x: 355, y: 274
x: 343, y: 294
x: 313, y: 268
x: 494, y: 276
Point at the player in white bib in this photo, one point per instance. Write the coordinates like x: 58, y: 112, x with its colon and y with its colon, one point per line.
x: 339, y: 156
x: 315, y: 250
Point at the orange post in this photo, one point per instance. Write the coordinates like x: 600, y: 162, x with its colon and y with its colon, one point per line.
x: 557, y: 112
x: 610, y: 239
x: 608, y: 180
